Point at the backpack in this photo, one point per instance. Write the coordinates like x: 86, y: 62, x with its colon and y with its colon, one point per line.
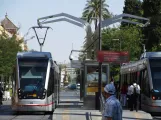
x: 134, y: 90
x: 1, y: 93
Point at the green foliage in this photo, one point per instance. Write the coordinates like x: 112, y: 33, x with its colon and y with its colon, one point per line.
x: 9, y: 47
x: 129, y: 38
x: 69, y: 78
x: 151, y: 7
x: 91, y: 14
x: 152, y: 33
x: 133, y: 7
x: 130, y: 41
x: 91, y: 11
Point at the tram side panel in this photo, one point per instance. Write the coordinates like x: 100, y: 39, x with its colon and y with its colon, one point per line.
x: 151, y: 92
x: 50, y: 91
x: 147, y: 77
x: 56, y: 85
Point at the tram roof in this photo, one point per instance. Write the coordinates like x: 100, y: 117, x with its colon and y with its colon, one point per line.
x: 150, y: 54
x: 34, y: 54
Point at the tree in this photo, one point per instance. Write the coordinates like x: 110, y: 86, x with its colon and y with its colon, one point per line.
x: 129, y: 38
x: 9, y: 46
x: 91, y: 11
x: 152, y: 33
x: 91, y: 14
x: 151, y: 8
x: 133, y: 7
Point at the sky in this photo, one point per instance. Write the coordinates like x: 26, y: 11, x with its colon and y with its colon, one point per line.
x: 65, y: 36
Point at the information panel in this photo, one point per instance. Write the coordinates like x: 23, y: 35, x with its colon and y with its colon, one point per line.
x: 113, y: 56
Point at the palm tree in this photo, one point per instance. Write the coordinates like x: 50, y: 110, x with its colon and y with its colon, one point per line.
x: 91, y: 11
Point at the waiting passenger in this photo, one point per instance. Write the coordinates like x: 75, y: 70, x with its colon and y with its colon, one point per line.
x: 123, y: 94
x: 1, y: 94
x: 128, y: 95
x: 135, y: 90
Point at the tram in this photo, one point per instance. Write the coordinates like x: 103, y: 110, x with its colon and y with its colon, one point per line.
x: 35, y: 82
x: 147, y: 73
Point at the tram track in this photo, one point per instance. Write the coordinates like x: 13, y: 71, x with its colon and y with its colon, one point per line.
x: 31, y: 117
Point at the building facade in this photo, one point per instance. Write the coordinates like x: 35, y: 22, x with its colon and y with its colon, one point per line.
x: 7, y: 26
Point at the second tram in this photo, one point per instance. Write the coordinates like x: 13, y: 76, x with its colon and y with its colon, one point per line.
x: 35, y: 82
x: 147, y: 73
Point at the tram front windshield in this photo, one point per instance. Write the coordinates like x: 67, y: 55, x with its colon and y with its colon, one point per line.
x: 32, y: 74
x: 155, y: 65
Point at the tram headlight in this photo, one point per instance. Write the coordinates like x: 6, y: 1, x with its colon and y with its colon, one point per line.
x: 19, y: 90
x: 153, y: 97
x: 44, y: 92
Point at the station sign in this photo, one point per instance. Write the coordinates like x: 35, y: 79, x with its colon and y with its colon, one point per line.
x: 113, y: 56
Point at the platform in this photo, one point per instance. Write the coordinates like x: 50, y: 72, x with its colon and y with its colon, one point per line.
x: 83, y: 114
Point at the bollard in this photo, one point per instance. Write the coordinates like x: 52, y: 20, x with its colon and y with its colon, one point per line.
x: 87, y: 116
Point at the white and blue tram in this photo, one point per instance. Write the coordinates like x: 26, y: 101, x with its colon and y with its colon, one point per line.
x: 35, y: 82
x: 147, y: 72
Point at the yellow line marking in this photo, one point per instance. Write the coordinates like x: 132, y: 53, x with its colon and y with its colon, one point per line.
x: 137, y: 115
x: 65, y: 116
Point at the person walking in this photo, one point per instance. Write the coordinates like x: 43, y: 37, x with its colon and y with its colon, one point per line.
x: 112, y: 108
x: 1, y: 94
x: 135, y: 92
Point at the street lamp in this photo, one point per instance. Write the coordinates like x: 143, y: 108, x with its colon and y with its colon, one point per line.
x: 100, y: 63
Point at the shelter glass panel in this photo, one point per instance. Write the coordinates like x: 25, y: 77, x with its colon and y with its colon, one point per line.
x: 93, y: 75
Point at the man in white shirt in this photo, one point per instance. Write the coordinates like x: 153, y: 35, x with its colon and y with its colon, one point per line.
x: 134, y: 91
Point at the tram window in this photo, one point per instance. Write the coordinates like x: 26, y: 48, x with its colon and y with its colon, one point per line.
x: 155, y: 65
x: 145, y: 85
x: 32, y: 74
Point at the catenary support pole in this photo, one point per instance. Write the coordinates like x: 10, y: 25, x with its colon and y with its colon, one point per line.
x: 100, y: 64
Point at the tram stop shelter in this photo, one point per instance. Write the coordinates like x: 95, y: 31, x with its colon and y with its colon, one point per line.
x: 89, y: 81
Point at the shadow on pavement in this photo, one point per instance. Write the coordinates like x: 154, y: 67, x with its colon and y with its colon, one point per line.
x: 5, y: 110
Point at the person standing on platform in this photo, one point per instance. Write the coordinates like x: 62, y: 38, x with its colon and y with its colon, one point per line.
x: 1, y: 94
x: 135, y: 90
x: 112, y: 80
x: 112, y: 108
x: 129, y: 92
x: 123, y: 94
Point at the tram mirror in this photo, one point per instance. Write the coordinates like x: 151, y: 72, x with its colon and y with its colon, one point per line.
x: 71, y: 57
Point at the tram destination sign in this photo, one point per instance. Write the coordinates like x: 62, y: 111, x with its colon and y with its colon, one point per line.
x: 113, y: 56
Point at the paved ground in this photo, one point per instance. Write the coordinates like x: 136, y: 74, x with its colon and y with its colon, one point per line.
x: 71, y: 108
